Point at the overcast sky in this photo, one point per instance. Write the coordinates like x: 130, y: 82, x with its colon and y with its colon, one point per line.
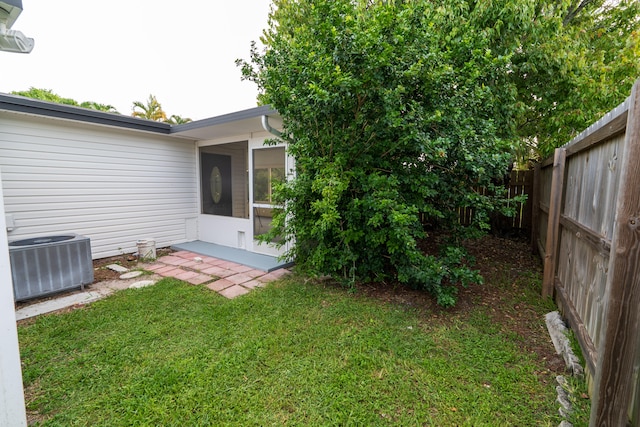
x: 119, y: 51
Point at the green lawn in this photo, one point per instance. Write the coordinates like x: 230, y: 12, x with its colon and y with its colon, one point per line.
x: 290, y: 354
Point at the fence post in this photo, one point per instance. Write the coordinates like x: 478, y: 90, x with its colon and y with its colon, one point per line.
x: 526, y: 218
x: 616, y: 356
x: 553, y: 227
x: 535, y: 209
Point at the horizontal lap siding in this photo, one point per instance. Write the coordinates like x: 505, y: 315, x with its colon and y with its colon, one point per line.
x: 114, y: 186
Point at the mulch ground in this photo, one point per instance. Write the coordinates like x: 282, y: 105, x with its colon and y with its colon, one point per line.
x: 101, y: 273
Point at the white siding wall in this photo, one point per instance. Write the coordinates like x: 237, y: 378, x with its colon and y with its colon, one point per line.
x: 12, y: 411
x: 112, y: 185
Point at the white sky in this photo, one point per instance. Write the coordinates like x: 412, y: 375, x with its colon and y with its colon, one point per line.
x: 120, y: 51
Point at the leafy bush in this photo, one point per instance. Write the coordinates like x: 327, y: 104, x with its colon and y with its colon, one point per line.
x: 390, y: 111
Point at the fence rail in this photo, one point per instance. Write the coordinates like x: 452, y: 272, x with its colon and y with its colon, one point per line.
x: 520, y: 183
x: 586, y: 227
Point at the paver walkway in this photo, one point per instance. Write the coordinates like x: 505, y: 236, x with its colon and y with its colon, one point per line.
x: 228, y: 278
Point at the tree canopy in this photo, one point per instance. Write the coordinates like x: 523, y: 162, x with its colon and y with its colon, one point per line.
x: 395, y: 108
x: 572, y: 64
x: 48, y: 95
x: 151, y: 110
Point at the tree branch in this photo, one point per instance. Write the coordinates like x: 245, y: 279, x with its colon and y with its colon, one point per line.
x: 575, y: 10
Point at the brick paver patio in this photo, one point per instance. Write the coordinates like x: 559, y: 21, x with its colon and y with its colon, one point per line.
x: 227, y: 278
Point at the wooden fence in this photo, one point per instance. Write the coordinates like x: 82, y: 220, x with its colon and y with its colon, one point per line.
x: 586, y: 227
x: 520, y: 183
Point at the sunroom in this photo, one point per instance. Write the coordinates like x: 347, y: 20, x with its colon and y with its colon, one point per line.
x: 239, y: 161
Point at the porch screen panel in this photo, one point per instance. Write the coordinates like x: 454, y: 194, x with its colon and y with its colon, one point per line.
x: 216, y: 184
x: 268, y: 170
x: 223, y: 180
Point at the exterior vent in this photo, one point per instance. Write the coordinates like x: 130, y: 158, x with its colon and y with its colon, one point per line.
x: 46, y: 265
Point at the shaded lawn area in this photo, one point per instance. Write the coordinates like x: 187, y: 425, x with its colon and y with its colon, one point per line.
x: 293, y: 353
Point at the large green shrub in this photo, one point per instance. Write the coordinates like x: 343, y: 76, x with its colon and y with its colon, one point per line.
x: 394, y: 108
x: 390, y: 111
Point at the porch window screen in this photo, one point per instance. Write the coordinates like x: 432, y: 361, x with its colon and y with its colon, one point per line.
x: 223, y: 180
x: 268, y: 170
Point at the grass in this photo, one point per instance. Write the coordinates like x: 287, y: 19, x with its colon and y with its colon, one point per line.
x: 580, y: 404
x: 289, y: 354
x: 577, y: 389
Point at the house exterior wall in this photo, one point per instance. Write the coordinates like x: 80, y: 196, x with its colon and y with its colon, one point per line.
x: 11, y: 388
x: 115, y: 186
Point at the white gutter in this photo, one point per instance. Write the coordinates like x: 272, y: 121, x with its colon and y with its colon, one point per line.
x: 10, y: 40
x: 268, y: 128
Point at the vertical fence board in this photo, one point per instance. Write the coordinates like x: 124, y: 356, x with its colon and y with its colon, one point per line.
x: 544, y: 192
x: 617, y: 352
x: 598, y: 175
x: 535, y: 210
x: 612, y: 185
x: 635, y: 408
x: 526, y: 221
x: 574, y: 187
x: 566, y: 260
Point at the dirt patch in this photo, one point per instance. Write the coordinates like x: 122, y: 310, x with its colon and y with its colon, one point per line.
x: 509, y: 295
x: 101, y: 273
x: 513, y: 277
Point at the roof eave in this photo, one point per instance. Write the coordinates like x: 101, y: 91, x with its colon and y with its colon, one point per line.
x: 250, y: 113
x: 38, y: 107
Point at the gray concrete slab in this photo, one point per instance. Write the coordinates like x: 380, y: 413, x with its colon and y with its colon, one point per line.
x: 240, y: 256
x: 57, y: 304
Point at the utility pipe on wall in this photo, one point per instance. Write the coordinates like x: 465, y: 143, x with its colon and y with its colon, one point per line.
x: 268, y: 128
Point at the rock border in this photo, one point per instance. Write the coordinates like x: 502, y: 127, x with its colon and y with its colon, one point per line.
x: 558, y: 333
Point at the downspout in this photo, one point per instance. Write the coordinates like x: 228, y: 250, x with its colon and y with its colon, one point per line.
x: 268, y: 128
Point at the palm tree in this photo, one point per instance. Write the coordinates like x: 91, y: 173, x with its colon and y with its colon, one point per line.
x: 151, y: 111
x: 177, y: 120
x: 99, y: 107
